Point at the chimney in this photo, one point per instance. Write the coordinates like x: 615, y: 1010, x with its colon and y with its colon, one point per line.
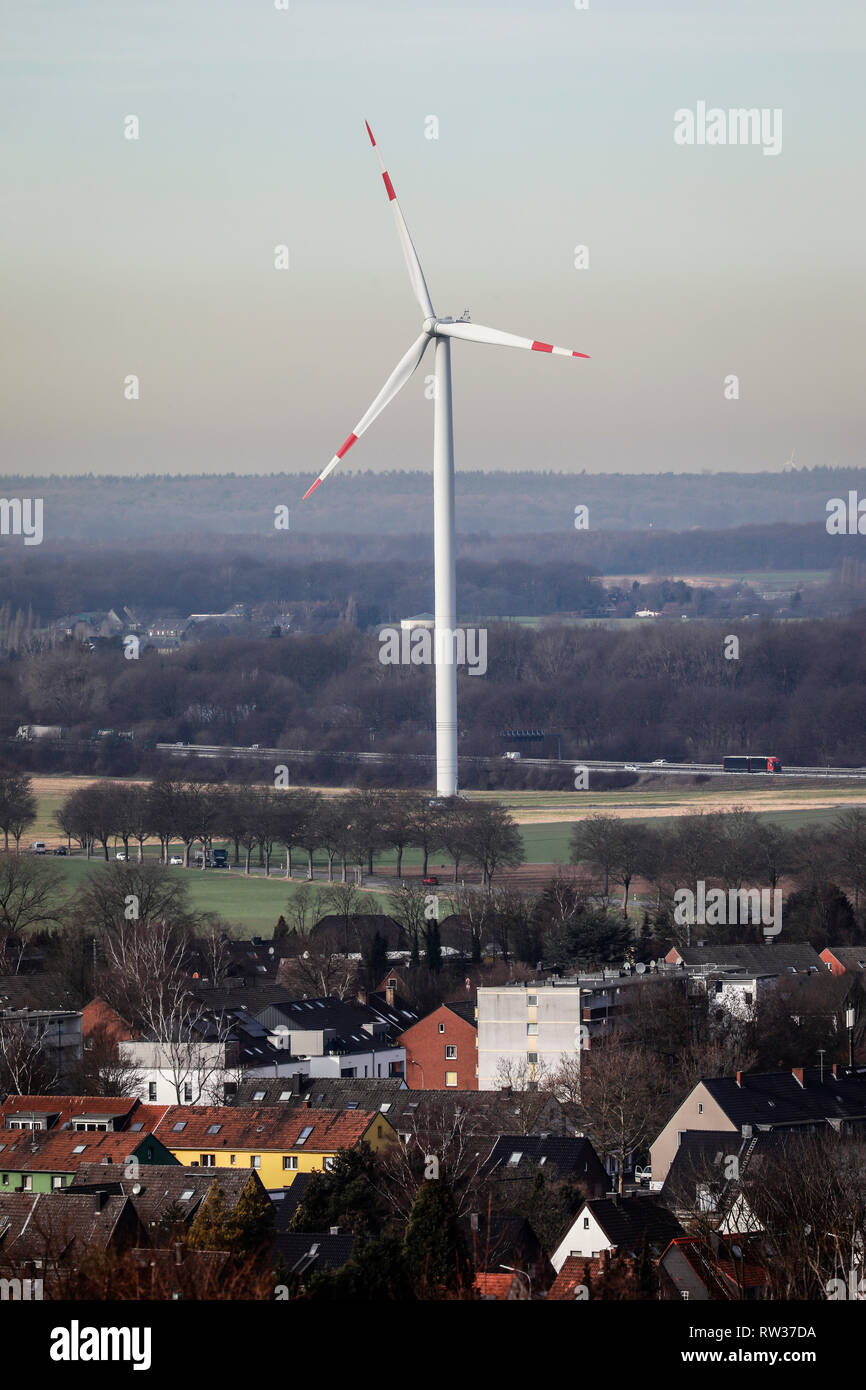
x: 390, y: 993
x: 334, y: 1230
x: 473, y: 1220
x: 297, y: 1078
x: 739, y: 1078
x: 362, y: 996
x: 797, y: 1073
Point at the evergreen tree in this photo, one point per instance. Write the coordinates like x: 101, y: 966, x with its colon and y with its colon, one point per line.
x: 345, y: 1196
x: 436, y: 1253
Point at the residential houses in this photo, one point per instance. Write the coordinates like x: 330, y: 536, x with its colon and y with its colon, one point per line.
x: 278, y: 1142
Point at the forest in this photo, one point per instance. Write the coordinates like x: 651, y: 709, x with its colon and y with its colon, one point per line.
x: 797, y: 690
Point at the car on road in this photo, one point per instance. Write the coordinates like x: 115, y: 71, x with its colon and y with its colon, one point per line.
x: 631, y: 767
x: 175, y: 859
x: 431, y: 881
x: 660, y: 762
x: 38, y: 847
x: 121, y: 854
x: 61, y: 849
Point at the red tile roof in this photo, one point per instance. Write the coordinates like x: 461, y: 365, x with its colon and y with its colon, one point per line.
x: 67, y: 1106
x: 499, y: 1286
x: 573, y: 1273
x: 35, y: 1151
x: 271, y: 1127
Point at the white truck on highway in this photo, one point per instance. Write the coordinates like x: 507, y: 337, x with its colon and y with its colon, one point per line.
x: 29, y: 732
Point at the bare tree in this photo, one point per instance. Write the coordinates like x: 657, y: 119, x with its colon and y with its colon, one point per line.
x: 26, y: 1064
x: 618, y: 1101
x: 28, y: 893
x: 442, y: 1144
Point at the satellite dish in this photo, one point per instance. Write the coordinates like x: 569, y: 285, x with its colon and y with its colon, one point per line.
x: 136, y: 1188
x: 640, y: 967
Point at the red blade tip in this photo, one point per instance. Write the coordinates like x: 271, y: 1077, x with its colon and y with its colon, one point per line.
x: 370, y: 133
x: 311, y: 489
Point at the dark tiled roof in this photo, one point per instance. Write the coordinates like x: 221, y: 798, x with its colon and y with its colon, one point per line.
x: 163, y: 1186
x: 61, y: 1226
x: 464, y: 1009
x: 777, y: 1098
x: 306, y: 1251
x: 569, y: 1157
x: 328, y: 1093
x: 349, y: 1020
x: 42, y: 990
x: 362, y: 928
x: 762, y: 960
x: 627, y: 1220
x: 286, y: 1200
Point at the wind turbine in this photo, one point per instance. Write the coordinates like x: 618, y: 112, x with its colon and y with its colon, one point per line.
x: 439, y: 331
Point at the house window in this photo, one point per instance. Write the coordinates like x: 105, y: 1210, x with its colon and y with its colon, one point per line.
x: 304, y: 1135
x: 178, y: 1127
x: 28, y: 1182
x: 214, y: 1129
x: 328, y: 1163
x: 532, y: 1058
x: 187, y: 1093
x: 255, y: 1160
x: 441, y: 1027
x: 515, y: 1158
x: 56, y: 1180
x: 684, y: 1293
x: 700, y: 1109
x: 290, y: 1161
x: 4, y: 1180
x: 151, y: 1090
x: 79, y: 1148
x: 586, y: 1223
x: 532, y: 1029
x: 379, y: 1131
x: 207, y: 1160
x: 258, y: 1095
x: 451, y: 1052
x: 233, y: 1158
x: 532, y: 1000
x: 450, y: 1078
x: 747, y: 995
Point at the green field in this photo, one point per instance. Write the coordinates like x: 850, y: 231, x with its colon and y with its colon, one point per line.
x: 253, y: 904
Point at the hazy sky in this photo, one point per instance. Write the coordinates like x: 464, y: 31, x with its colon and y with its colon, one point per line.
x: 155, y: 256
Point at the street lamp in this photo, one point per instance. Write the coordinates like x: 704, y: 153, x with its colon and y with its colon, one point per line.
x: 522, y: 1273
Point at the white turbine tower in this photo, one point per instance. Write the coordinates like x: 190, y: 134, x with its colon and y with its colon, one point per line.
x: 439, y: 331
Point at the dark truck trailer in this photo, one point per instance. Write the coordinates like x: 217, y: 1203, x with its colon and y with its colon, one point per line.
x: 740, y: 763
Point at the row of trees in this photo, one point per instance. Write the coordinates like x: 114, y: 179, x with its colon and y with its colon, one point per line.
x: 737, y: 849
x: 354, y: 829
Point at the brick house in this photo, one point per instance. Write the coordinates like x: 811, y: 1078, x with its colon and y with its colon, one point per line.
x: 442, y: 1050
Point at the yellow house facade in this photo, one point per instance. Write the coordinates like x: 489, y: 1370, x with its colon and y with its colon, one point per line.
x: 277, y: 1141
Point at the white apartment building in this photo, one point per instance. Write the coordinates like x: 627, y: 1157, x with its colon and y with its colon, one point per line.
x: 524, y: 1028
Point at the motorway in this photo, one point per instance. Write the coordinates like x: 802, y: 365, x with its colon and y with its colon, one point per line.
x: 281, y: 755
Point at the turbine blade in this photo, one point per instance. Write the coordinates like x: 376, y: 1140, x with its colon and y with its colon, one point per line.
x: 477, y: 333
x: 413, y: 265
x: 398, y: 378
